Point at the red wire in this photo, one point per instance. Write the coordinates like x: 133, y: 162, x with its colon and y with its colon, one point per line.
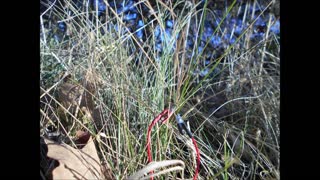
x: 149, y: 145
x: 155, y: 120
x: 198, y: 159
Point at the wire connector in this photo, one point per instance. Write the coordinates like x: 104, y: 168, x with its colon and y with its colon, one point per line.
x: 182, y: 126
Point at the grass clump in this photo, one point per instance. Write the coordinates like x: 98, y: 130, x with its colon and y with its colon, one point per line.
x: 100, y: 75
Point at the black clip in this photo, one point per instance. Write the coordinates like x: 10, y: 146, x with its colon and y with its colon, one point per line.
x: 182, y: 126
x: 52, y: 133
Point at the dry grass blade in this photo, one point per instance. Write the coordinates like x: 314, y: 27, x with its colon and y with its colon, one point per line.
x: 156, y: 165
